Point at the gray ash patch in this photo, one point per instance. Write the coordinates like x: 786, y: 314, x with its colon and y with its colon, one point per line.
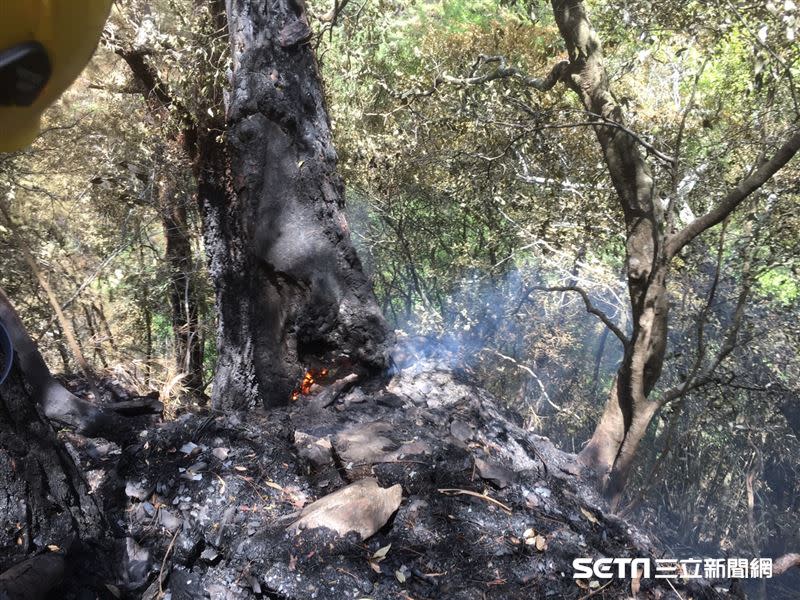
x: 488, y: 509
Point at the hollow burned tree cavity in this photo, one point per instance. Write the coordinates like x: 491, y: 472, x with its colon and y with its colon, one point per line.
x: 291, y: 290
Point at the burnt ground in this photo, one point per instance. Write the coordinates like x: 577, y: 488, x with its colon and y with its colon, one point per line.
x: 199, y: 507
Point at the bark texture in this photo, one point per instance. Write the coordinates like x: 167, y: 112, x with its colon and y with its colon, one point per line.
x: 43, y: 498
x: 629, y: 410
x: 291, y: 290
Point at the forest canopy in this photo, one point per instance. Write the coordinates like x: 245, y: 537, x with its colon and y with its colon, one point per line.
x: 590, y: 207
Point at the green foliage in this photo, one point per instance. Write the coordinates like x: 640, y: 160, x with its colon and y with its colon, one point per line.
x: 780, y: 284
x: 458, y: 201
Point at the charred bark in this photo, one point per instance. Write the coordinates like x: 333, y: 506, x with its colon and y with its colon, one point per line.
x: 57, y: 403
x: 43, y: 497
x: 290, y: 288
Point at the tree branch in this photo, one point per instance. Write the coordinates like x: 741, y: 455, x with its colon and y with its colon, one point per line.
x: 645, y: 144
x: 146, y: 74
x: 590, y: 308
x: 735, y: 197
x: 504, y: 72
x: 784, y: 563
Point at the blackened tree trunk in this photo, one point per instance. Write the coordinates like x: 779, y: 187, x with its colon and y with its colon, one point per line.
x: 44, y: 501
x: 43, y: 498
x: 291, y: 291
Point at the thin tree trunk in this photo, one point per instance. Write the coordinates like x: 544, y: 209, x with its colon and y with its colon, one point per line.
x: 183, y: 291
x: 64, y: 323
x: 598, y: 359
x: 649, y: 247
x: 97, y: 346
x: 98, y: 310
x: 146, y: 313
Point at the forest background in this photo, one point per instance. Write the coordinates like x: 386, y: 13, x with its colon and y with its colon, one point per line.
x: 469, y: 198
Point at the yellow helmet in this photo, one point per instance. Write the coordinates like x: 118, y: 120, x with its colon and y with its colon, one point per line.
x: 44, y: 45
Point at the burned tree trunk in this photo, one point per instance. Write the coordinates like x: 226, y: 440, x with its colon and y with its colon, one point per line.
x: 291, y: 291
x: 51, y: 524
x: 43, y: 497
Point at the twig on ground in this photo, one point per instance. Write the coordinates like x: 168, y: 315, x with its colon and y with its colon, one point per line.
x: 164, y: 563
x: 456, y: 491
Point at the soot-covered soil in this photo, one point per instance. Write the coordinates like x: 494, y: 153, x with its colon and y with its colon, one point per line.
x: 201, y: 507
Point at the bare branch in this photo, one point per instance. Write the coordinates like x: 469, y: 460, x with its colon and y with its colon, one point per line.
x: 728, y: 345
x: 334, y: 12
x: 609, y: 123
x: 784, y: 563
x: 505, y: 72
x: 547, y: 83
x: 735, y: 197
x: 647, y: 145
x: 146, y: 74
x: 590, y: 308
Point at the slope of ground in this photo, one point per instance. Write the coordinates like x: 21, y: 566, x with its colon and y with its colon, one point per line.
x: 203, y: 506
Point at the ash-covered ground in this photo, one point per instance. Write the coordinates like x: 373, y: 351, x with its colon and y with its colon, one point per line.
x: 203, y: 507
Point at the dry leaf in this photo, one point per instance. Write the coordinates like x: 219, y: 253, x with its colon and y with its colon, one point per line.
x: 240, y: 469
x: 400, y: 576
x: 381, y: 553
x: 589, y: 515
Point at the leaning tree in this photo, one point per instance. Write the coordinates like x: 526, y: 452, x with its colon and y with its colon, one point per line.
x: 653, y: 241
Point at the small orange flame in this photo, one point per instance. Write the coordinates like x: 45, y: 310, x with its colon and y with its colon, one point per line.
x: 311, y: 377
